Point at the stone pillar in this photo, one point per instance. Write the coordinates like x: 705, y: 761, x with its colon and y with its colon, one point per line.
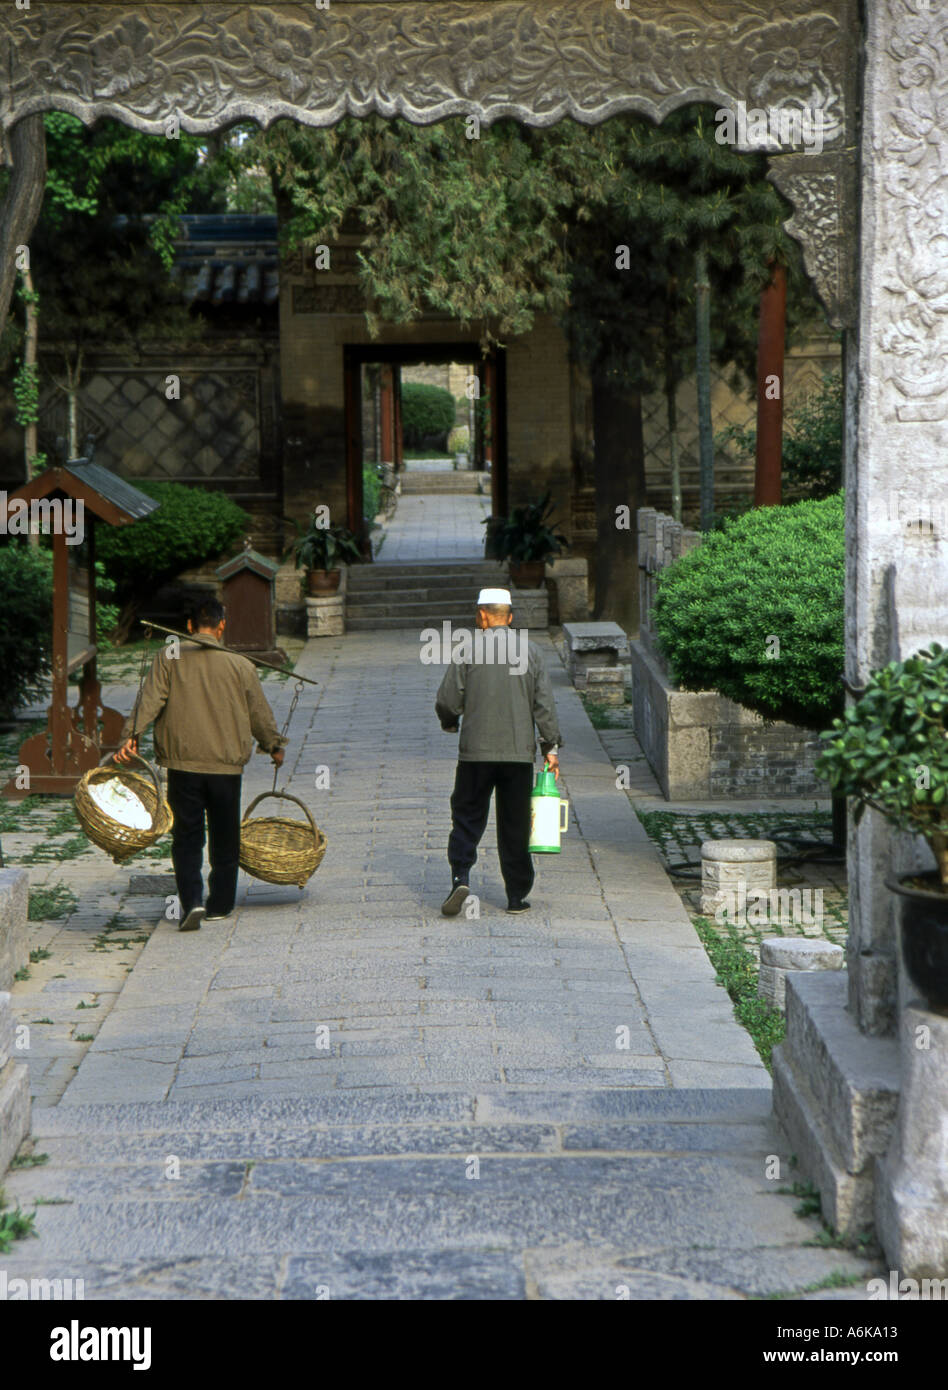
x: 912, y: 1197
x: 14, y: 1089
x: 896, y: 471
x: 897, y: 598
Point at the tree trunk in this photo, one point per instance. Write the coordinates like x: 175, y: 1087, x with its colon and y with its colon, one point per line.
x: 674, y: 453
x: 21, y: 204
x: 770, y: 342
x: 30, y: 356
x: 703, y: 374
x: 619, y: 471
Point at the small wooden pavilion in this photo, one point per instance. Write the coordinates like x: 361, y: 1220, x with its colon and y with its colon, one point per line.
x: 248, y: 582
x: 68, y: 500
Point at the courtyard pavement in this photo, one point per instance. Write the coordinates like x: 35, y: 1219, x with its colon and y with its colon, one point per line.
x: 436, y: 526
x: 363, y: 1096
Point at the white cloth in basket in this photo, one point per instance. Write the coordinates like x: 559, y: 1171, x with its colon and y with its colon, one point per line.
x: 121, y: 804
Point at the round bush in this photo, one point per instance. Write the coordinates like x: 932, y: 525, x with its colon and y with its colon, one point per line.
x: 26, y: 602
x: 189, y: 527
x: 427, y: 413
x: 777, y: 572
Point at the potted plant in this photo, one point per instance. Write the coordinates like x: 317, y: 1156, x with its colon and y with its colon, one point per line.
x: 527, y: 540
x: 458, y: 441
x: 890, y: 752
x: 321, y: 550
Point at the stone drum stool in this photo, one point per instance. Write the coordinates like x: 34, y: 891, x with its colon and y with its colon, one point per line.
x: 733, y: 869
x: 780, y: 954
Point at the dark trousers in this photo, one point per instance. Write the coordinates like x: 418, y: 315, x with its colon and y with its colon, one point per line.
x: 470, y: 804
x: 191, y: 796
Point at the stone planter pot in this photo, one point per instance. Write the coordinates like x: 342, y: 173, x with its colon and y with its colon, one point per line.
x: 322, y: 582
x: 529, y: 574
x: 924, y: 918
x: 460, y: 461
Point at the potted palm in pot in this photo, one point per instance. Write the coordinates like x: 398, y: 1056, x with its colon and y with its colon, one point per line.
x: 320, y: 551
x: 890, y: 752
x: 527, y: 540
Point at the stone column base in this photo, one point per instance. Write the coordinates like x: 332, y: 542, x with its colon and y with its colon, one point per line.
x: 835, y: 1093
x: 14, y: 1090
x: 326, y: 617
x: 912, y: 1184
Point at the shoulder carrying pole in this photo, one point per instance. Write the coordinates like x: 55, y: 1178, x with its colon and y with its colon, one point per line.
x: 219, y: 647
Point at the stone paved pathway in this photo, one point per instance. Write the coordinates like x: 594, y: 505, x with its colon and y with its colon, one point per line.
x: 436, y: 526
x: 365, y: 1097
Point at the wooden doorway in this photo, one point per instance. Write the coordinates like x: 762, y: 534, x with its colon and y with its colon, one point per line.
x: 492, y: 386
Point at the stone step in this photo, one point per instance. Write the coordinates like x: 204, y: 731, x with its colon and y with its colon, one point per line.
x: 456, y: 594
x: 423, y: 610
x: 392, y: 624
x: 393, y: 575
x: 358, y: 1195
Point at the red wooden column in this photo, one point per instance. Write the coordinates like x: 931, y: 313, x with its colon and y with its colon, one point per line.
x: 398, y: 445
x: 770, y: 342
x: 387, y: 414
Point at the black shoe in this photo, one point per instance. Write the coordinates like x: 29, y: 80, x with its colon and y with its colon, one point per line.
x: 193, y: 920
x: 518, y: 905
x: 456, y: 899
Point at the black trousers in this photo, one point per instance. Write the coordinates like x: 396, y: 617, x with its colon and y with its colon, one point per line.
x: 192, y: 796
x: 470, y: 804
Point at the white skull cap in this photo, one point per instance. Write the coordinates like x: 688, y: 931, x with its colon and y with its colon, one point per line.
x: 493, y: 596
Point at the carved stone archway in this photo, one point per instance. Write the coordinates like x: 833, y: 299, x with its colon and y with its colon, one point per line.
x: 208, y: 65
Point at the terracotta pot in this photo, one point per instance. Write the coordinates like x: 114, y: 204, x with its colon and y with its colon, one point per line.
x: 322, y: 582
x: 924, y: 916
x: 528, y: 575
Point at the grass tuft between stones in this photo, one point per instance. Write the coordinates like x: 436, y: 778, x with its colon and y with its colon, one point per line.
x: 737, y: 971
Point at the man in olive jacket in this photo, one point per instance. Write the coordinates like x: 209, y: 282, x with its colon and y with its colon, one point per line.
x: 208, y: 707
x: 498, y: 702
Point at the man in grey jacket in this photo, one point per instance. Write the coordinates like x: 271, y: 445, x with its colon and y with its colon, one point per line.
x: 498, y: 702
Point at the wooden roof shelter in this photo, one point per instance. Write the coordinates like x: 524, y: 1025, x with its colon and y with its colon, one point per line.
x: 76, y: 737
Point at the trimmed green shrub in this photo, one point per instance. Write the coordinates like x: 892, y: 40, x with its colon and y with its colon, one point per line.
x: 26, y: 602
x: 427, y: 411
x: 777, y: 572
x: 189, y: 527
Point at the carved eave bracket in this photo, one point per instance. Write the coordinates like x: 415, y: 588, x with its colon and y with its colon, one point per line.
x: 823, y: 192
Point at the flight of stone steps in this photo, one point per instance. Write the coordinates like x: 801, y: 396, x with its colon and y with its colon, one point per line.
x: 508, y: 1194
x: 418, y: 594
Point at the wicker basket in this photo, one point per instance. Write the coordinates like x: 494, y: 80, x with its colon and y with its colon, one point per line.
x: 279, y: 850
x: 122, y: 841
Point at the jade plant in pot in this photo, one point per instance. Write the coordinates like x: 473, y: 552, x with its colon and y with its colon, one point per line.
x: 320, y: 550
x: 527, y: 540
x: 890, y: 752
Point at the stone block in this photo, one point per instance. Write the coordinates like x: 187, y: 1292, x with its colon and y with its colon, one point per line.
x: 326, y: 617
x: 14, y: 913
x: 781, y: 954
x: 912, y: 1182
x: 568, y: 583
x: 606, y: 684
x: 14, y: 1090
x: 835, y: 1093
x: 531, y: 607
